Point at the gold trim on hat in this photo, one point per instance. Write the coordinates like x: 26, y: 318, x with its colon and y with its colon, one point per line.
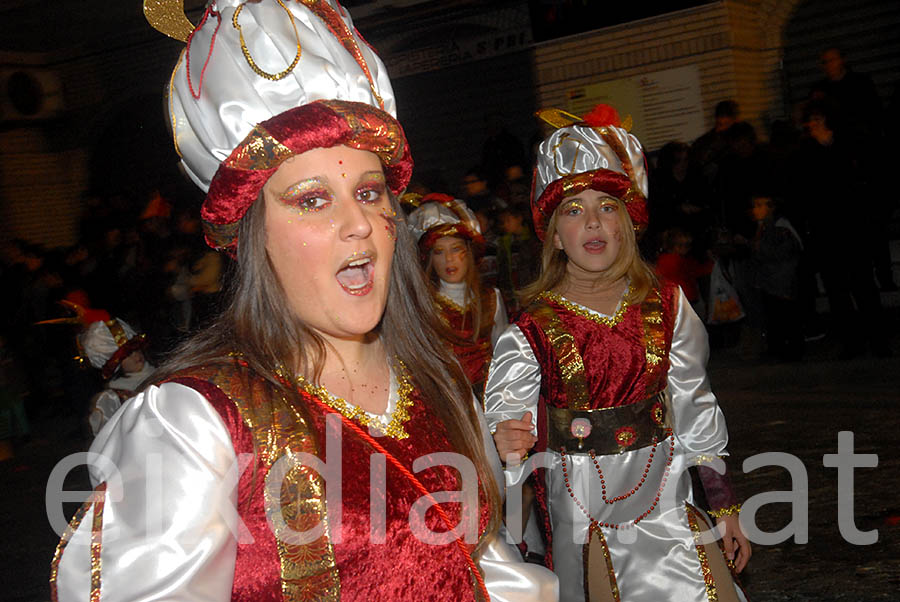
x: 260, y: 151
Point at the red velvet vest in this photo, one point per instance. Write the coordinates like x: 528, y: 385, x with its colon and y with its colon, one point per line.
x: 263, y: 422
x: 473, y: 355
x: 625, y: 358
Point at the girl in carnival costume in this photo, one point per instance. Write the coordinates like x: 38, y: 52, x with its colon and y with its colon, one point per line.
x: 294, y: 449
x: 450, y: 244
x: 605, y: 372
x: 114, y: 348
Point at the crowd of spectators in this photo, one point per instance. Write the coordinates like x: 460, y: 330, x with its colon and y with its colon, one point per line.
x: 785, y: 222
x: 150, y: 268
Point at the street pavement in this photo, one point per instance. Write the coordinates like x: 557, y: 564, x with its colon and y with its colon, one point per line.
x: 797, y: 408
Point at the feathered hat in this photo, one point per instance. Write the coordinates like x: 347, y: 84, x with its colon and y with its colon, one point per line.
x: 260, y: 82
x: 593, y: 152
x: 440, y: 215
x: 107, y: 343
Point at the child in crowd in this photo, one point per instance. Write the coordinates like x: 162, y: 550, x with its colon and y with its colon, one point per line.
x: 677, y: 265
x: 776, y: 251
x: 604, y: 370
x: 113, y: 347
x: 450, y: 243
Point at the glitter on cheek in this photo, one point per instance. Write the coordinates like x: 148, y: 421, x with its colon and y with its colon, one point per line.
x: 390, y: 223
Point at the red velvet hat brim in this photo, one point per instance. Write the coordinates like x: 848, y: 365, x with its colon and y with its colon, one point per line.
x: 321, y: 124
x: 602, y: 180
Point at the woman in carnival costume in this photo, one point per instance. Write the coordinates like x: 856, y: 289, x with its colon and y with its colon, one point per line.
x: 605, y: 372
x: 297, y: 447
x: 450, y: 244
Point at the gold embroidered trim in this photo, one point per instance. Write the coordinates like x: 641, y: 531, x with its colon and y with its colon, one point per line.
x: 733, y: 509
x: 97, y: 541
x: 308, y: 571
x: 394, y: 428
x: 171, y: 101
x: 613, y: 584
x: 259, y: 150
x: 571, y: 365
x: 654, y: 340
x: 449, y: 303
x: 585, y: 312
x: 98, y: 495
x: 712, y: 593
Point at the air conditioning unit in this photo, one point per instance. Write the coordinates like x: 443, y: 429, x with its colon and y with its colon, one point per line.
x: 29, y: 94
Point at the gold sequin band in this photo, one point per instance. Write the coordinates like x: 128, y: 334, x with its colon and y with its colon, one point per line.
x: 584, y: 313
x: 97, y: 542
x: 571, y: 365
x: 733, y: 509
x: 654, y: 339
x: 95, y: 502
x: 596, y: 538
x: 712, y: 593
x: 258, y: 151
x: 608, y: 430
x: 393, y: 429
x: 280, y: 429
x: 246, y: 51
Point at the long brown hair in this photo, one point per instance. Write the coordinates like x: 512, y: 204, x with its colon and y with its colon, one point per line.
x: 473, y: 285
x: 628, y: 263
x: 258, y: 324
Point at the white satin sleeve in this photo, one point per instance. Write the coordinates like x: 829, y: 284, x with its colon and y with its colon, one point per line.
x: 513, y: 387
x: 507, y: 577
x: 514, y: 379
x: 170, y: 470
x: 698, y: 421
x: 501, y: 321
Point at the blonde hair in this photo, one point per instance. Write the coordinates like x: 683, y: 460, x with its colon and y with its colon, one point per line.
x: 628, y: 263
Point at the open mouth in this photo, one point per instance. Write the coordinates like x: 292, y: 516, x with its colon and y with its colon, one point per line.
x: 595, y: 246
x: 357, y: 276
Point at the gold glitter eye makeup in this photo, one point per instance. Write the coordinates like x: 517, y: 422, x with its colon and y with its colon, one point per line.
x: 609, y: 206
x: 573, y: 208
x: 372, y: 189
x: 307, y: 195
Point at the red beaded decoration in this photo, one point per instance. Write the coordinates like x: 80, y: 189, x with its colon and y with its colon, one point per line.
x: 187, y: 52
x: 643, y: 515
x: 634, y: 489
